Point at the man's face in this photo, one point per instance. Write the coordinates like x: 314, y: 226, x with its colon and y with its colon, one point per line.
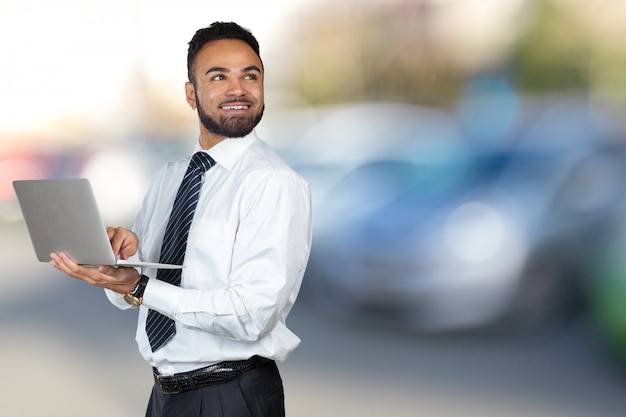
x: 228, y: 89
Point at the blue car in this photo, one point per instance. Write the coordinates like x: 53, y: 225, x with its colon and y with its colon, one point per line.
x: 425, y: 228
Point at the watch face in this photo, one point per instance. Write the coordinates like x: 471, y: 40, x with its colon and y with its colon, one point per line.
x: 132, y: 300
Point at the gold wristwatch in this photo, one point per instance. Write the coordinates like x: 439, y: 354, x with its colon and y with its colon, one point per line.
x: 135, y: 297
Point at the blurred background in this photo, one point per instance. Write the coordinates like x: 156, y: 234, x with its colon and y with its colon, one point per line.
x: 467, y: 162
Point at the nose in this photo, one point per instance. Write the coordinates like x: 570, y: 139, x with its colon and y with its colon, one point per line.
x: 235, y: 88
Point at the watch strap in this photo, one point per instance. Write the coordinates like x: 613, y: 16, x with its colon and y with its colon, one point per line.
x: 135, y: 296
x: 140, y: 288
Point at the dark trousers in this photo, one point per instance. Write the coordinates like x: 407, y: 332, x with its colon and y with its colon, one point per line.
x: 255, y: 393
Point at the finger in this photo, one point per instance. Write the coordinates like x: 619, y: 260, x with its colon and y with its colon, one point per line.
x: 116, y: 238
x: 65, y: 264
x: 125, y: 243
x: 57, y: 260
x: 106, y: 270
x: 128, y: 248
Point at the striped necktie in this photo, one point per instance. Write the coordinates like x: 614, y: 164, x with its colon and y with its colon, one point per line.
x: 161, y: 328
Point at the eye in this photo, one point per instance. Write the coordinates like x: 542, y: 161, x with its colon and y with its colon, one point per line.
x: 218, y: 77
x: 250, y: 77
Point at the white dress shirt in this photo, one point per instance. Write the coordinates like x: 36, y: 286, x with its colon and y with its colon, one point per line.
x: 246, y: 254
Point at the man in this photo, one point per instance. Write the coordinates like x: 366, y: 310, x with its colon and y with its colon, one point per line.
x: 222, y: 324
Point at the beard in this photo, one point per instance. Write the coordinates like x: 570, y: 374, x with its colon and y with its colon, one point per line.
x: 230, y: 127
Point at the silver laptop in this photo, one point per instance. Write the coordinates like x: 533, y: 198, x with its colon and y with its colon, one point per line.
x: 62, y: 215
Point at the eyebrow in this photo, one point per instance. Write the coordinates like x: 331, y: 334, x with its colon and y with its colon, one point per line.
x: 249, y: 68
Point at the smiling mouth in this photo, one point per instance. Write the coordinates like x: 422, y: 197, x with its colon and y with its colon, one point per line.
x: 236, y: 107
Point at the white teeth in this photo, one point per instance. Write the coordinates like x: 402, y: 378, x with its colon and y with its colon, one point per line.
x: 234, y: 107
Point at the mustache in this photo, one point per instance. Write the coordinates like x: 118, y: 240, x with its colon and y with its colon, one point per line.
x: 236, y: 100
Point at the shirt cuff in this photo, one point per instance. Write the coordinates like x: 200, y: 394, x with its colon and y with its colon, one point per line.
x: 162, y: 297
x: 117, y: 299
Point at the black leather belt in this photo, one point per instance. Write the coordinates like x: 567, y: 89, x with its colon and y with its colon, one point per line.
x: 211, y: 375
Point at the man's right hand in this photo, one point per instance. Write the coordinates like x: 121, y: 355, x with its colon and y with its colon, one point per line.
x: 123, y: 241
x: 121, y: 280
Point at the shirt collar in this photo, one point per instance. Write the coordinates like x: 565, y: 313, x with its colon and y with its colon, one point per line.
x: 227, y: 152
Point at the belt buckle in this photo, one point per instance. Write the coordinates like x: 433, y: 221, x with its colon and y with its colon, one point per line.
x: 168, y: 391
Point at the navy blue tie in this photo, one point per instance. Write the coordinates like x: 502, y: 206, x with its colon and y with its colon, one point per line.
x: 161, y: 328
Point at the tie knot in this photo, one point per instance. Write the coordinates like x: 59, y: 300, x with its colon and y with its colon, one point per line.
x: 201, y: 161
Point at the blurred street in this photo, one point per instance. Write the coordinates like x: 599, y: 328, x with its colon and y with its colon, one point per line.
x: 67, y: 352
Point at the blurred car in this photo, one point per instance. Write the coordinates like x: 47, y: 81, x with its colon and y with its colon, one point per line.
x: 606, y: 291
x: 415, y: 224
x: 119, y: 172
x: 29, y: 162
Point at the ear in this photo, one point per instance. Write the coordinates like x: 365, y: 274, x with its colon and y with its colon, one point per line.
x: 190, y: 95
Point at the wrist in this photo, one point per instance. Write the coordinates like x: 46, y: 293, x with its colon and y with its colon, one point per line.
x: 135, y: 296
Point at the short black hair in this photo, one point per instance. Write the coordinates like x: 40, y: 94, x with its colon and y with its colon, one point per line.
x: 217, y: 31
